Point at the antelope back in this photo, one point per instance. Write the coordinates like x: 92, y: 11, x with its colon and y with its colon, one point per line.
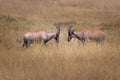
x: 94, y: 34
x: 31, y: 35
x: 43, y: 35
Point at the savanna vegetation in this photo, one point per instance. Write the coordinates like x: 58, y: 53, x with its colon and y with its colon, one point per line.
x: 66, y: 60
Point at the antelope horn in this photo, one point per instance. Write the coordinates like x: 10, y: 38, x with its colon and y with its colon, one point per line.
x: 58, y: 28
x: 70, y: 26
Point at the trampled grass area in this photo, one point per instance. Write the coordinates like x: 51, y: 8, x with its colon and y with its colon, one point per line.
x: 63, y: 61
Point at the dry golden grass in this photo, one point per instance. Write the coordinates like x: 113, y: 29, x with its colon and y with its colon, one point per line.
x: 63, y: 61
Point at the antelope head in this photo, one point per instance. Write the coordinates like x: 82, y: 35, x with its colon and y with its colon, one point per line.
x: 56, y: 37
x: 70, y: 33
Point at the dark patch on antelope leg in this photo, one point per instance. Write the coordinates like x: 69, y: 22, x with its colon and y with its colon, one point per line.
x: 28, y: 44
x: 23, y: 44
x: 45, y: 41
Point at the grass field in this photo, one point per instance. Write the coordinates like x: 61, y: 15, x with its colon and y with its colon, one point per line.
x: 63, y: 61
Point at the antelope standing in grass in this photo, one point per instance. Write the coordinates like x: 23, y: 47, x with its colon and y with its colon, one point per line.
x: 41, y: 36
x: 83, y: 35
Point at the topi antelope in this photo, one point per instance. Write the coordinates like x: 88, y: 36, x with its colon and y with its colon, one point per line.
x: 83, y: 35
x: 40, y: 36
